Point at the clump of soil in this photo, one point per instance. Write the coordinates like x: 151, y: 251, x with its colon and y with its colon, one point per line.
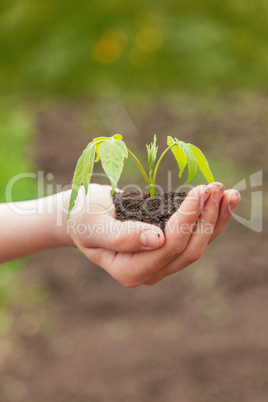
x: 137, y: 206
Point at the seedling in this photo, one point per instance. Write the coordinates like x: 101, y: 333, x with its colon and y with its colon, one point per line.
x: 112, y: 151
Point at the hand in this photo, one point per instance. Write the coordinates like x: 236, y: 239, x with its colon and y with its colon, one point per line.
x: 135, y: 253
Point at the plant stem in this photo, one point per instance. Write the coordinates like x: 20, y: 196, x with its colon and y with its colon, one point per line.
x: 146, y: 178
x: 156, y: 169
x: 151, y: 186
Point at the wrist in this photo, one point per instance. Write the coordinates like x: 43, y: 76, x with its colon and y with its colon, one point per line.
x: 59, y: 224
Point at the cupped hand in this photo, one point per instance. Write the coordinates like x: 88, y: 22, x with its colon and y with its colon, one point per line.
x: 136, y: 253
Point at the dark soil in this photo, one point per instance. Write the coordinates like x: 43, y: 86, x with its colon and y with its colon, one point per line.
x: 136, y: 206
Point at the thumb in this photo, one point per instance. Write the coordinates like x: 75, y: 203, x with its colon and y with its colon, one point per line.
x: 123, y: 237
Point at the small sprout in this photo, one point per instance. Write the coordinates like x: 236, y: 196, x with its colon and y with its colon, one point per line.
x: 112, y: 151
x: 152, y: 152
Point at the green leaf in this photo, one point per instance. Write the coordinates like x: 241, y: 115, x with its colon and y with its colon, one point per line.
x: 76, y: 182
x: 89, y: 156
x: 84, y: 167
x: 179, y: 155
x: 202, y: 163
x: 117, y: 137
x: 112, y: 153
x: 99, y: 140
x: 191, y: 160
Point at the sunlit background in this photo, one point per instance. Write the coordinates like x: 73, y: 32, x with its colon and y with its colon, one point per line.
x: 196, y: 70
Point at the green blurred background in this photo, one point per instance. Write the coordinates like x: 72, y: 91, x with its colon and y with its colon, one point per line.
x: 84, y: 48
x: 70, y: 70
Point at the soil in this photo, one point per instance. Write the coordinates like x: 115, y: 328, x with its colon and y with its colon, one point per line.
x: 198, y: 336
x: 137, y: 206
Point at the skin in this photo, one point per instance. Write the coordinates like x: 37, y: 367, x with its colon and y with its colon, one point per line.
x: 133, y: 253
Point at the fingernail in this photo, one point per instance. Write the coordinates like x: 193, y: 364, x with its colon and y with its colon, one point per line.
x: 208, y: 189
x: 217, y: 195
x: 149, y: 238
x: 234, y: 198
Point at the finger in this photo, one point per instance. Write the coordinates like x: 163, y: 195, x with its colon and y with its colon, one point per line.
x: 202, y: 232
x: 181, y: 224
x: 229, y: 202
x: 125, y: 237
x: 199, y: 238
x: 186, y: 217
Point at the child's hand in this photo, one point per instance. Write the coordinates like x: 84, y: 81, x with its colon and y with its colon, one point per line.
x: 135, y: 253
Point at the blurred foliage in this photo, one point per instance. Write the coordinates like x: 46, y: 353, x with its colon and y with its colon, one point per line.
x: 16, y: 130
x: 84, y: 47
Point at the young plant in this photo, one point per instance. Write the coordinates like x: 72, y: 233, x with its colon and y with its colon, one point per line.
x: 112, y: 151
